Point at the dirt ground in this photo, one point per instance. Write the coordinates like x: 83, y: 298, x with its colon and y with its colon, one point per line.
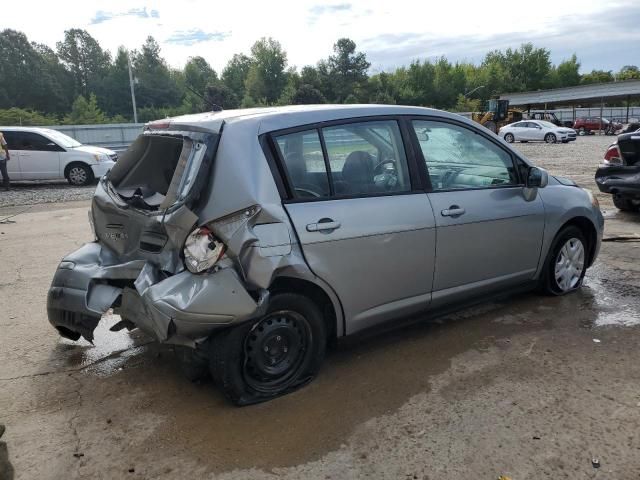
x: 528, y: 387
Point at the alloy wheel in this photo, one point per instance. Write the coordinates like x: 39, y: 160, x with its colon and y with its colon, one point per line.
x: 78, y: 175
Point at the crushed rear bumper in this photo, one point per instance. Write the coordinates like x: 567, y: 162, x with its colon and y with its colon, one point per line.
x: 182, y: 308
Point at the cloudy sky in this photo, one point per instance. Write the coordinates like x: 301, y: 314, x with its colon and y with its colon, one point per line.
x: 604, y: 34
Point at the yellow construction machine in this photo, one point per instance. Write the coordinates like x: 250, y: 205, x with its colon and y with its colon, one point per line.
x: 497, y: 115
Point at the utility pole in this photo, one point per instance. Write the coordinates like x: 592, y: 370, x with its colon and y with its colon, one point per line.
x: 133, y: 93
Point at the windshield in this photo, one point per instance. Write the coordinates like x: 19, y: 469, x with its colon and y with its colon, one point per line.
x: 546, y: 124
x: 61, y: 139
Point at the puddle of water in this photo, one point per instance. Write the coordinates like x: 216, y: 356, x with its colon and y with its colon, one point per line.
x: 614, y: 305
x: 122, y: 345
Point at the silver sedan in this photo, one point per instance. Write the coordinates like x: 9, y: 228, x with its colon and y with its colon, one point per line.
x: 536, y: 131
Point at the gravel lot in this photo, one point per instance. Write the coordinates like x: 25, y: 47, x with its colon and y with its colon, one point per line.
x: 529, y: 387
x: 577, y: 160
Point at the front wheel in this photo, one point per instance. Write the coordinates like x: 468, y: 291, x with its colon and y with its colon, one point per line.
x: 550, y: 138
x: 566, y: 262
x: 270, y: 356
x: 509, y: 138
x: 79, y: 175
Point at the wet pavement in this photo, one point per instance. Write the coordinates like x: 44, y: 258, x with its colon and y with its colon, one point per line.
x: 529, y: 387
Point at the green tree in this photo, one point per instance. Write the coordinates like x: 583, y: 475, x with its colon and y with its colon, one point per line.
x: 235, y: 73
x: 464, y: 104
x: 19, y: 116
x: 628, y: 72
x: 567, y: 73
x: 346, y: 69
x: 307, y: 95
x: 85, y: 112
x: 198, y: 74
x: 267, y: 78
x: 85, y: 59
x: 221, y: 95
x: 157, y: 86
x: 597, y: 76
x: 115, y: 97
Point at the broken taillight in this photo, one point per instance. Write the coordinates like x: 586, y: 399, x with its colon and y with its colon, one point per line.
x: 202, y: 250
x: 613, y: 156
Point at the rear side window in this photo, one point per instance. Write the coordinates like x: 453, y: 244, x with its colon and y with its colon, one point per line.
x: 304, y: 161
x: 359, y: 159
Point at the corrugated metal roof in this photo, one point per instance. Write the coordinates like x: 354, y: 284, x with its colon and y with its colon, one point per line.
x: 572, y: 95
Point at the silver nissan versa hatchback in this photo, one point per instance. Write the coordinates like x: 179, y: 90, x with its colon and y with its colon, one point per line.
x: 251, y: 238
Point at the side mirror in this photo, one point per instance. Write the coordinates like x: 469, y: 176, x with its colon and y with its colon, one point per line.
x: 537, y: 178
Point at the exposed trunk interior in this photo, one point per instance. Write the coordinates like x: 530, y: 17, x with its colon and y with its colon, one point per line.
x: 149, y: 173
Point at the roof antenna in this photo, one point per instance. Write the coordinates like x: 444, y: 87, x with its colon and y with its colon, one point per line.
x: 214, y: 107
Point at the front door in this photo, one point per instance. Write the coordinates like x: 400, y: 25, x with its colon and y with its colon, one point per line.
x: 488, y: 234
x: 39, y: 157
x: 363, y: 229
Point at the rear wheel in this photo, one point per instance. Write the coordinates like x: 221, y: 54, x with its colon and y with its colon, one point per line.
x: 582, y: 131
x: 271, y: 356
x: 550, y: 138
x: 509, y: 138
x: 566, y: 262
x: 624, y: 204
x: 79, y: 174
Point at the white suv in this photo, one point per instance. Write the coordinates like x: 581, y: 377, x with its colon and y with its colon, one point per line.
x: 45, y: 154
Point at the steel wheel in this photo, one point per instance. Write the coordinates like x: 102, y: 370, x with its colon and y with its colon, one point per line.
x: 275, y: 350
x: 569, y: 264
x: 509, y: 138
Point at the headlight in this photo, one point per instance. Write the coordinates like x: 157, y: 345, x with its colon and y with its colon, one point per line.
x: 592, y: 198
x: 101, y: 157
x: 202, y: 250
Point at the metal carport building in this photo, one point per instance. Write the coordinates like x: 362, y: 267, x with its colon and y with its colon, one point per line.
x: 598, y: 93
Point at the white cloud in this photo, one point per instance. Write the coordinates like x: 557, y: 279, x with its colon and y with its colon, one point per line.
x: 307, y: 29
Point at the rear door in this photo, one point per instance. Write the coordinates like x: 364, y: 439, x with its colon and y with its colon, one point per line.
x: 365, y: 228
x: 39, y: 157
x: 488, y: 234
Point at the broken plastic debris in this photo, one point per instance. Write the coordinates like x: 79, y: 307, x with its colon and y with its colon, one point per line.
x: 595, y: 462
x: 504, y: 477
x: 596, y: 340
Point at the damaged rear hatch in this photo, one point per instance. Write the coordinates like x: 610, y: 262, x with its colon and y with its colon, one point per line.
x: 141, y: 213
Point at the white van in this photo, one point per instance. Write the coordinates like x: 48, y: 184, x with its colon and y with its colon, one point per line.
x: 46, y: 154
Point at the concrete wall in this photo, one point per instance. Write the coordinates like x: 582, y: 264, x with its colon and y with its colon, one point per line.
x: 116, y: 136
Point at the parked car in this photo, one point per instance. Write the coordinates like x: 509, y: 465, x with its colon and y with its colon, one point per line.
x: 588, y: 125
x: 536, y: 131
x: 619, y: 172
x: 253, y: 237
x: 46, y: 154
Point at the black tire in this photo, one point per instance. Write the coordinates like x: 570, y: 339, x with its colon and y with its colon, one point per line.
x: 624, y: 204
x: 582, y: 131
x: 79, y: 174
x: 294, y: 333
x: 549, y: 283
x: 550, y: 138
x: 509, y: 138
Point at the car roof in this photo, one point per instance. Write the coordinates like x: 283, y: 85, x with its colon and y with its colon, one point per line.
x: 25, y: 129
x: 276, y: 118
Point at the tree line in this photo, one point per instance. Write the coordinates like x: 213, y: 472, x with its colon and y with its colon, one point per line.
x: 81, y: 83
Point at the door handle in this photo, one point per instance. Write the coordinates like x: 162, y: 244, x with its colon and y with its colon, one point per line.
x: 453, y: 211
x: 325, y: 225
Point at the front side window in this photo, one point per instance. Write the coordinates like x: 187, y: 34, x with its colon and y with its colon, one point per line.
x: 367, y: 158
x: 36, y: 142
x: 458, y: 158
